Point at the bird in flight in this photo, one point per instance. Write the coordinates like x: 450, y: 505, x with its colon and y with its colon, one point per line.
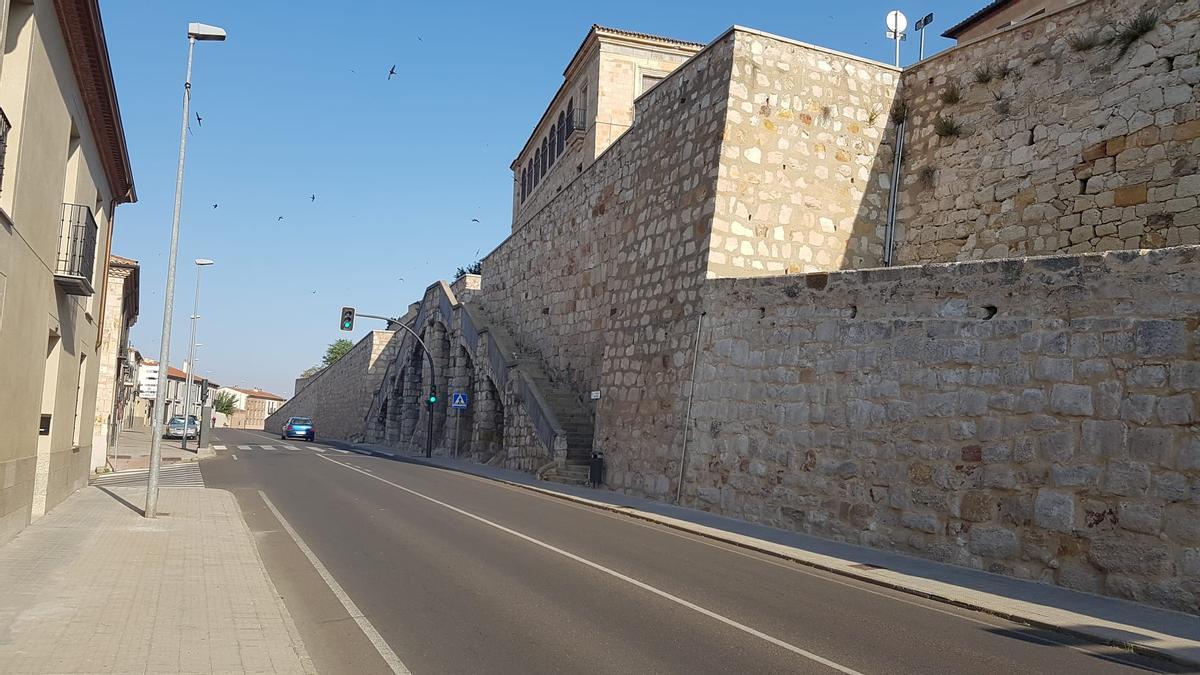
x: 313, y: 198
x: 474, y: 220
x: 214, y: 206
x: 392, y: 72
x: 199, y: 120
x: 279, y: 219
x: 419, y: 39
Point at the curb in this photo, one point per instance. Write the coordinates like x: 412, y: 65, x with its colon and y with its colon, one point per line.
x: 1093, y: 638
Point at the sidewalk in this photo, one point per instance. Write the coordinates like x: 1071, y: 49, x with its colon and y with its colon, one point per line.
x: 133, y: 450
x: 92, y: 587
x: 1103, y: 620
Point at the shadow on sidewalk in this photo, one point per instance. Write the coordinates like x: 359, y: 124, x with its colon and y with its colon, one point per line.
x: 136, y: 509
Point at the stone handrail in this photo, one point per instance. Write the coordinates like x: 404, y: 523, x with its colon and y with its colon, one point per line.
x: 545, y: 422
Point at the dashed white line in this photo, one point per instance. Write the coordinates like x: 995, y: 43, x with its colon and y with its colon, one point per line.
x: 235, y: 458
x: 368, y: 629
x: 611, y: 572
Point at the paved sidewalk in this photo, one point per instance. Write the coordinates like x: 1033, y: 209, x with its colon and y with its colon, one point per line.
x: 92, y: 587
x: 1141, y: 628
x: 133, y: 451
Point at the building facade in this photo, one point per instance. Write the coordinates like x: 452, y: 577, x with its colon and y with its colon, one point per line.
x: 251, y: 406
x: 1001, y: 14
x: 116, y: 379
x: 65, y: 170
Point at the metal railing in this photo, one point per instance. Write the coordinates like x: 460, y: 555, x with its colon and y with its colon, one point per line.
x: 576, y: 121
x: 545, y: 424
x: 76, y: 250
x: 5, y: 126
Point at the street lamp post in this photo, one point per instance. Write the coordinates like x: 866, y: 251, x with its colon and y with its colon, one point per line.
x: 201, y: 263
x: 196, y: 32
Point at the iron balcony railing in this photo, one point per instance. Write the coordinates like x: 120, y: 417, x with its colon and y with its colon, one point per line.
x: 5, y: 126
x: 76, y: 250
x: 576, y: 121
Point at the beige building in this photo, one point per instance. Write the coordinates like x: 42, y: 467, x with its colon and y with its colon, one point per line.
x: 251, y: 406
x: 65, y: 169
x: 591, y: 109
x: 1003, y: 14
x: 116, y: 381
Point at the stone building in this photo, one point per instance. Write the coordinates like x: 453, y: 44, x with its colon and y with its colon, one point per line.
x: 714, y: 303
x: 252, y: 406
x: 1001, y: 14
x: 65, y: 169
x: 115, y: 384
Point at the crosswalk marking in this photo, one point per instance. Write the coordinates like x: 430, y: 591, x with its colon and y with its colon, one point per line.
x: 169, y: 475
x: 291, y: 447
x: 243, y: 447
x: 218, y: 447
x: 320, y: 450
x: 266, y: 447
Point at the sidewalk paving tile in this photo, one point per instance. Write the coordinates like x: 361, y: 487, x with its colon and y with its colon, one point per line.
x: 93, y: 587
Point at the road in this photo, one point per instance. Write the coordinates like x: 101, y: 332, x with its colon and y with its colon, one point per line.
x: 389, y: 565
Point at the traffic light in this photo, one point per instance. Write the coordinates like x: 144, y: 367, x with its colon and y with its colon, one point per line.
x: 432, y: 396
x: 347, y: 318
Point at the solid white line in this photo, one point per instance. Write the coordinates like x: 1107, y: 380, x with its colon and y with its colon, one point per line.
x: 368, y: 629
x: 611, y: 572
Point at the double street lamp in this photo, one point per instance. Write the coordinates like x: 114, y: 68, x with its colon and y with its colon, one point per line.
x: 196, y: 32
x: 201, y: 263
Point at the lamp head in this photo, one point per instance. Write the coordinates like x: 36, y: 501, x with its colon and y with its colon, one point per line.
x: 203, y: 262
x: 203, y: 31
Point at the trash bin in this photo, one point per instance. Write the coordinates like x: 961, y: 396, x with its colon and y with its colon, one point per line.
x: 596, y: 472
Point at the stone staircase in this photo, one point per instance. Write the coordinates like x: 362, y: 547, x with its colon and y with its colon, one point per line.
x: 572, y: 416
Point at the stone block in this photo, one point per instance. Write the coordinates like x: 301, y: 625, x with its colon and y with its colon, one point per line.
x: 1057, y: 445
x: 1179, y: 409
x: 1181, y: 523
x: 1140, y: 516
x: 922, y: 522
x: 1075, y: 475
x: 991, y: 541
x: 1130, y: 554
x: 1054, y: 510
x: 1185, y: 375
x: 1131, y: 195
x: 1105, y: 439
x: 1154, y: 338
x: 1071, y: 399
x: 1149, y: 444
x: 1054, y: 370
x: 977, y: 506
x: 1080, y: 576
x: 1127, y: 479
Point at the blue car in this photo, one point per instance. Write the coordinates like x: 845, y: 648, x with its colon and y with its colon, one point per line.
x: 298, y: 427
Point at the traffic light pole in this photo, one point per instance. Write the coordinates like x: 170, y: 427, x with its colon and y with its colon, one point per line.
x: 432, y: 375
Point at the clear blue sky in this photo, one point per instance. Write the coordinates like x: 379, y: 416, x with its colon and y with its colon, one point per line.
x: 297, y: 102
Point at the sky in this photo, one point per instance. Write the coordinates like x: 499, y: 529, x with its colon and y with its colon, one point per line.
x: 297, y: 103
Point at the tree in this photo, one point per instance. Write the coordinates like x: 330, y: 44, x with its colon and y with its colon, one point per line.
x: 336, y: 350
x: 224, y: 403
x: 310, y: 371
x: 474, y: 268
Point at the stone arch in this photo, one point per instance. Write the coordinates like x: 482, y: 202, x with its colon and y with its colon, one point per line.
x: 413, y: 385
x: 462, y: 379
x: 487, y: 437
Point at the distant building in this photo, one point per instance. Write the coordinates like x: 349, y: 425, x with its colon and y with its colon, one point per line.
x: 177, y: 397
x: 251, y: 406
x: 1002, y: 14
x: 64, y: 169
x: 116, y: 379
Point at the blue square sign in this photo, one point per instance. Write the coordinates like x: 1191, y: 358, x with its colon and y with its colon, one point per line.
x: 458, y: 400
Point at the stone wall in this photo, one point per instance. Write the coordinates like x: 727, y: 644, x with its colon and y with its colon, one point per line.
x: 1061, y: 149
x: 1033, y: 417
x: 805, y: 165
x: 337, y: 398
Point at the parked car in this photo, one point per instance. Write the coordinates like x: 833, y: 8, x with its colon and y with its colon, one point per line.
x: 298, y: 427
x: 175, y: 427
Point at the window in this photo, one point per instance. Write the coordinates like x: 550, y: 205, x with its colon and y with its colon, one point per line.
x: 524, y: 185
x: 529, y: 167
x: 545, y: 157
x: 550, y: 155
x: 562, y: 131
x: 649, y: 81
x: 537, y: 166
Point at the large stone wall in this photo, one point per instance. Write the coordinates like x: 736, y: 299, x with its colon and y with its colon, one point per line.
x: 1034, y: 417
x: 337, y: 398
x: 1061, y: 150
x: 805, y: 165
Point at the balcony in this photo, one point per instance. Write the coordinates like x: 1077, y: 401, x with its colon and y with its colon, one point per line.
x: 576, y: 124
x: 76, y: 250
x: 5, y: 126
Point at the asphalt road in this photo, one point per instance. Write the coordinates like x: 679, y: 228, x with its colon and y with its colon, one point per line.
x: 457, y: 574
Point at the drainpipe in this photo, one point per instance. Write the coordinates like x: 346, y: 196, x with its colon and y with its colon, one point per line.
x: 893, y: 198
x: 687, y: 422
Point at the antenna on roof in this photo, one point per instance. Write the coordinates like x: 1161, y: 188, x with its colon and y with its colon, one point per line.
x: 896, y: 23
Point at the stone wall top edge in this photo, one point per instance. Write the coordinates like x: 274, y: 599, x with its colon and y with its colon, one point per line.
x: 819, y: 48
x: 998, y: 33
x: 1058, y: 262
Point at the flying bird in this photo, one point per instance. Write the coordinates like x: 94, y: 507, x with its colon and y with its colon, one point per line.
x: 392, y: 72
x: 279, y: 219
x: 474, y: 220
x: 313, y: 198
x: 419, y: 39
x: 199, y: 120
x: 214, y: 206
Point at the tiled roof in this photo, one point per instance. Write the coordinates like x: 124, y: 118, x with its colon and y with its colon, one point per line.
x: 645, y: 36
x: 115, y: 259
x: 988, y: 10
x: 174, y: 373
x: 258, y: 393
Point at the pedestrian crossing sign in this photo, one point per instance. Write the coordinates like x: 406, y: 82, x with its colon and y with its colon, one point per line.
x: 458, y: 400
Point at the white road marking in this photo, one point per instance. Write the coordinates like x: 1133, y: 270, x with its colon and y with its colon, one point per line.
x: 267, y: 447
x: 218, y: 447
x: 235, y: 458
x: 243, y: 447
x: 320, y: 450
x: 291, y: 447
x: 340, y: 451
x: 368, y: 629
x: 611, y: 572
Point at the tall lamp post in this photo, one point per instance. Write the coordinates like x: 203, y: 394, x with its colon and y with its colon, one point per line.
x: 196, y: 32
x: 201, y: 263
